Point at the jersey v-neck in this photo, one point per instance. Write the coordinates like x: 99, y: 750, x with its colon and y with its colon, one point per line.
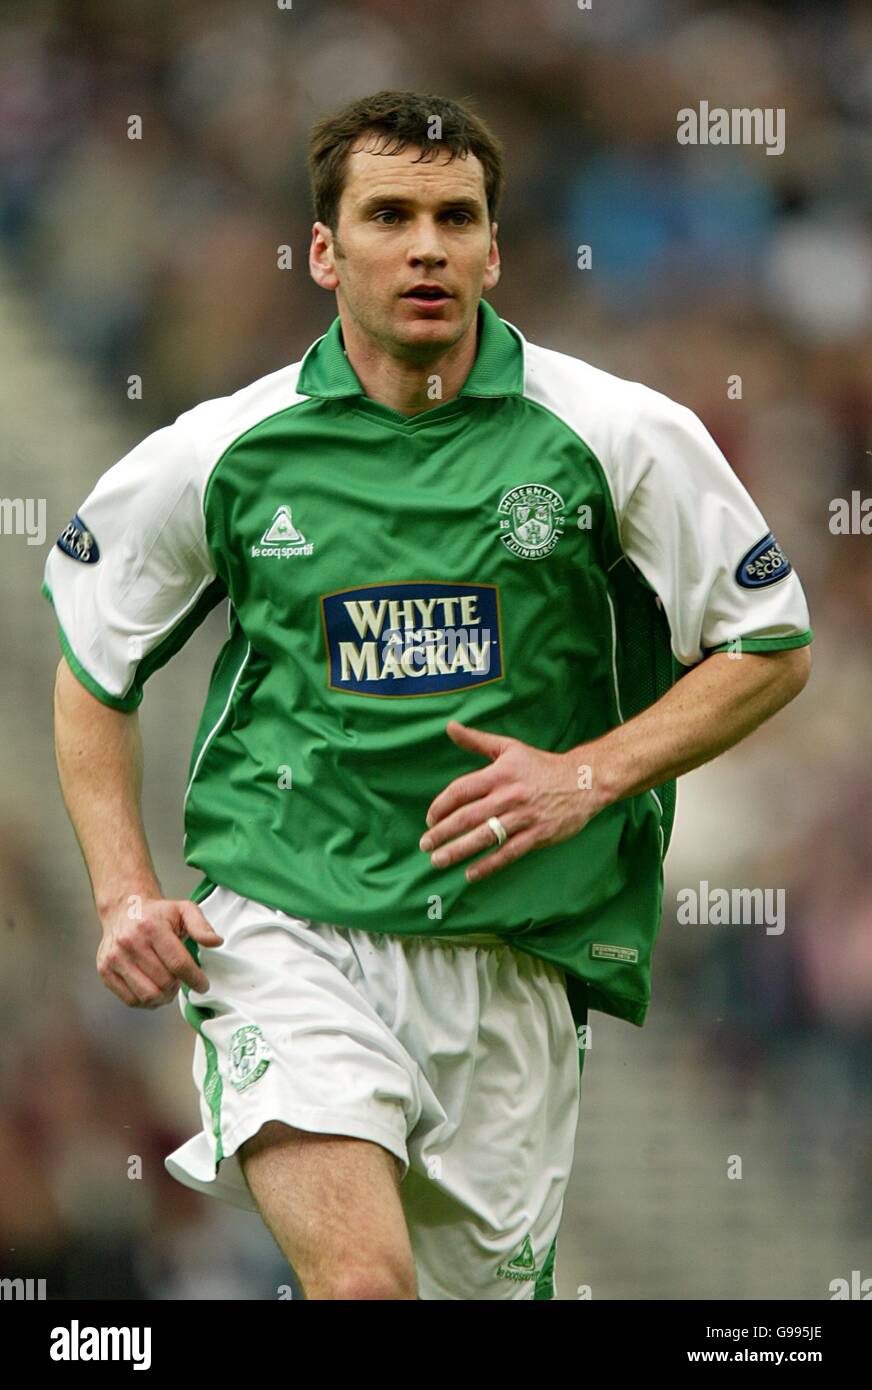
x: 408, y: 424
x: 498, y: 370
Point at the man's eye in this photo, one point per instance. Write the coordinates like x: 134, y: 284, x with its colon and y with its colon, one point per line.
x: 386, y: 212
x: 464, y: 216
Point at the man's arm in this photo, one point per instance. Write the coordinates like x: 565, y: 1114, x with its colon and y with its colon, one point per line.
x: 715, y: 705
x: 693, y: 532
x: 100, y: 759
x: 543, y: 798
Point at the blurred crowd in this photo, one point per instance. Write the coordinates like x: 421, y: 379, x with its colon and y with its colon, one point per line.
x: 709, y: 265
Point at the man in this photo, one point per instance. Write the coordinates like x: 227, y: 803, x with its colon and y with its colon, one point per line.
x: 433, y: 782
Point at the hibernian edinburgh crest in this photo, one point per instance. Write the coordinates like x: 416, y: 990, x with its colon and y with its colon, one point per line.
x: 531, y: 520
x: 249, y: 1056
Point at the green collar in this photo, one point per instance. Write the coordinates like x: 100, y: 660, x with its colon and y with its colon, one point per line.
x: 498, y: 369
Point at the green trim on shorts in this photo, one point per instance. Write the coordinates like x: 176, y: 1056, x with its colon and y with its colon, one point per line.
x: 545, y: 1279
x: 213, y: 1086
x: 202, y: 890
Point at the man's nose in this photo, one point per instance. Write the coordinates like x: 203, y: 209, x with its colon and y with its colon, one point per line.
x: 426, y: 243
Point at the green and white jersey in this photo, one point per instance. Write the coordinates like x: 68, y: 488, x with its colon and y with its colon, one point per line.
x: 539, y: 557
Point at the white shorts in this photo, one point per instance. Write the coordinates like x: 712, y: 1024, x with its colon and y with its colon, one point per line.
x: 460, y: 1059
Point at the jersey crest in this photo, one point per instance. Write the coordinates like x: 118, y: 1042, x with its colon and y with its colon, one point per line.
x: 531, y: 520
x: 249, y: 1056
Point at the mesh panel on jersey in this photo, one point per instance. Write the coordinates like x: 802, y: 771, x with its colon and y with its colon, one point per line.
x: 645, y: 662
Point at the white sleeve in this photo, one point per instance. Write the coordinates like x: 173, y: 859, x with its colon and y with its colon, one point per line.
x: 131, y: 576
x: 699, y: 539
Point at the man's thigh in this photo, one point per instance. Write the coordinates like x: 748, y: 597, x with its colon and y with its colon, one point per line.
x: 292, y: 1031
x: 484, y: 1194
x: 333, y: 1205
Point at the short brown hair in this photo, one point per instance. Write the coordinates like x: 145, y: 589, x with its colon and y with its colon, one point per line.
x: 403, y: 118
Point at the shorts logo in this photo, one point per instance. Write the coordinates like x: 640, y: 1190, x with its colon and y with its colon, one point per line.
x: 249, y: 1056
x: 78, y: 542
x: 765, y: 563
x: 531, y: 520
x: 522, y: 1266
x: 282, y: 538
x: 422, y: 638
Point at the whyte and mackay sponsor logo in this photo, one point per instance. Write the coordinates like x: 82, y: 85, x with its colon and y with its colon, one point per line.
x: 424, y: 637
x: 412, y: 639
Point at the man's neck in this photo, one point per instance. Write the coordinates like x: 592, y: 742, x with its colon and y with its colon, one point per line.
x: 409, y: 387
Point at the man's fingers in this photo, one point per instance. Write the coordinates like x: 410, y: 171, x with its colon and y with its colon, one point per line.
x: 148, y: 956
x: 472, y: 786
x: 113, y: 981
x: 179, y: 961
x: 145, y: 961
x: 471, y: 816
x: 476, y: 740
x: 515, y: 846
x: 146, y: 993
x: 159, y: 964
x: 480, y: 838
x: 197, y: 926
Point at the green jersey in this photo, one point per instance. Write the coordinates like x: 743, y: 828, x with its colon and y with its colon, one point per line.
x: 539, y: 557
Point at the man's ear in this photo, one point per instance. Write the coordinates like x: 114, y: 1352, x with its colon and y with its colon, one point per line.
x: 492, y: 266
x: 322, y: 266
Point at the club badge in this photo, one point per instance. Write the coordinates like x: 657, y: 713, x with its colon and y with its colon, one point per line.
x: 531, y: 520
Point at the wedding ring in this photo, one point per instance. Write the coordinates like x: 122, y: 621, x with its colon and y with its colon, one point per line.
x: 498, y: 829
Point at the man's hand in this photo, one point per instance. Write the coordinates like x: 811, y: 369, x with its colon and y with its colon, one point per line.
x: 535, y: 794
x: 540, y: 797
x: 141, y: 957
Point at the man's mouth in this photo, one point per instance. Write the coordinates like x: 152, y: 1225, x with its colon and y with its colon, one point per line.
x: 428, y: 294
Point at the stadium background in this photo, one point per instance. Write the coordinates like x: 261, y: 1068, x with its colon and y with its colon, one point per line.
x: 158, y: 258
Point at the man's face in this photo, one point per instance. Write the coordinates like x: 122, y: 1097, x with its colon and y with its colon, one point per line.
x: 403, y: 225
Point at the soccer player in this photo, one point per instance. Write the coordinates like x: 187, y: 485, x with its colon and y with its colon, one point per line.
x: 486, y: 602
